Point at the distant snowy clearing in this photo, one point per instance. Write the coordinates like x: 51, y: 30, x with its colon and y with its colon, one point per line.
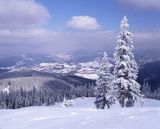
x: 83, y: 116
x: 89, y: 76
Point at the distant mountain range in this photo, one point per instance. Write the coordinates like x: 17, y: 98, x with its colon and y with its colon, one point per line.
x: 75, y: 57
x: 150, y: 72
x: 27, y: 79
x: 80, y: 63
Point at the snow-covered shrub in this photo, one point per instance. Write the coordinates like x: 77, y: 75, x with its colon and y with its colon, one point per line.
x: 67, y: 103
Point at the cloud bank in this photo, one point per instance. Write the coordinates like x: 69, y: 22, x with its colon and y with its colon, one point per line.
x: 49, y: 42
x: 142, y: 4
x: 19, y: 14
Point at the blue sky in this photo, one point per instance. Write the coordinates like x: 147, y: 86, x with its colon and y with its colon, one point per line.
x: 107, y: 12
x: 55, y: 26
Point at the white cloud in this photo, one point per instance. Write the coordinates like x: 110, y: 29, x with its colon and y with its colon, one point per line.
x: 142, y: 4
x: 15, y: 14
x: 147, y: 39
x: 83, y: 23
x: 45, y: 41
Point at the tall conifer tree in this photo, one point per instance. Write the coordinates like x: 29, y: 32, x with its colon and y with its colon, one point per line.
x: 126, y: 69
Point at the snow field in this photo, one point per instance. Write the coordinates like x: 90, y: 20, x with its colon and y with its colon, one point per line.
x: 83, y: 116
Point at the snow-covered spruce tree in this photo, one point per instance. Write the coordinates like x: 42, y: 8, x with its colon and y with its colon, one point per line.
x: 146, y: 89
x: 126, y: 69
x: 103, y: 88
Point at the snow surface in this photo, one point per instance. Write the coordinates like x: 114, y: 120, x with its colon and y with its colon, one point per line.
x: 93, y: 76
x: 85, y: 69
x: 83, y: 116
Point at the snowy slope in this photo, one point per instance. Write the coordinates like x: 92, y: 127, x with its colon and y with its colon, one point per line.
x: 82, y: 116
